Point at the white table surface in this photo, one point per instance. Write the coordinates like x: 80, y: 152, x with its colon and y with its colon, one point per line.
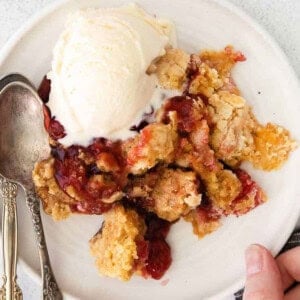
x: 280, y: 17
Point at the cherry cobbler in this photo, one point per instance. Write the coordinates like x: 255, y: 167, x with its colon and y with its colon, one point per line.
x: 182, y: 163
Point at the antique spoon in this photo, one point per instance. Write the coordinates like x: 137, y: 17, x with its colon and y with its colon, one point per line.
x: 23, y: 142
x: 10, y: 289
x: 8, y: 190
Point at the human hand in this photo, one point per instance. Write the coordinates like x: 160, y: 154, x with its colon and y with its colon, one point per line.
x: 269, y: 278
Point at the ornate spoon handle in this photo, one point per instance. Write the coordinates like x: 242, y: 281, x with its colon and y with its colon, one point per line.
x: 10, y: 289
x: 50, y: 288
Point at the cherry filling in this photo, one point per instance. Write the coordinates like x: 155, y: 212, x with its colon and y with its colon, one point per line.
x: 184, y: 108
x: 79, y: 179
x: 159, y: 259
x: 54, y: 128
x: 250, y: 189
x: 154, y: 253
x: 72, y: 176
x: 156, y: 228
x: 109, y: 151
x: 44, y: 89
x: 142, y: 252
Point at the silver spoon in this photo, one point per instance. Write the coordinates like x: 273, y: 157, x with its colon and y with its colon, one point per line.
x: 8, y: 189
x: 23, y: 142
x: 10, y: 289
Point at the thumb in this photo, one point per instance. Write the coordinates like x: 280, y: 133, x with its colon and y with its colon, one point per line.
x: 263, y: 276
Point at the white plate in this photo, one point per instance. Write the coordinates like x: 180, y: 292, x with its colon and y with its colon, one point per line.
x: 212, y: 267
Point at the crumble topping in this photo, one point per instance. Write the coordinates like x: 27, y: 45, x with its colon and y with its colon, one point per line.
x: 206, y: 81
x: 114, y: 247
x: 168, y: 193
x: 233, y: 127
x: 222, y: 189
x: 273, y: 145
x: 55, y: 201
x: 171, y: 69
x: 155, y: 143
x: 203, y: 221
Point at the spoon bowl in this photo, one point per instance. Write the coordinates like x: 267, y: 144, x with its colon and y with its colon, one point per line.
x: 23, y: 139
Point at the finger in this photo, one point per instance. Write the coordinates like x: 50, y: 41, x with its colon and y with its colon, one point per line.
x: 293, y: 294
x: 289, y: 266
x: 263, y: 276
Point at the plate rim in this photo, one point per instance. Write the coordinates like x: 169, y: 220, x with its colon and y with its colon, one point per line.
x: 226, y: 4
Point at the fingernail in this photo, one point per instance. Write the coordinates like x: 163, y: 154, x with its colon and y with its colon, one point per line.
x: 254, y: 260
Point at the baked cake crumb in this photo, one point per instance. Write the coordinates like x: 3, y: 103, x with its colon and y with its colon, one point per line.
x: 175, y: 194
x: 273, y: 145
x: 169, y: 193
x: 155, y: 143
x: 222, y: 190
x: 114, y: 247
x: 55, y: 201
x: 234, y: 126
x: 171, y: 69
x: 206, y: 82
x: 203, y: 223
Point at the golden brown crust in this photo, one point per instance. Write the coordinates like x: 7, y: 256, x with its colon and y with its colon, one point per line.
x: 55, y: 202
x: 206, y: 82
x: 202, y: 223
x: 222, y: 61
x: 171, y: 69
x: 175, y: 194
x: 156, y: 143
x: 273, y: 145
x: 222, y: 189
x: 114, y: 247
x: 214, y: 72
x: 233, y: 127
x: 169, y: 193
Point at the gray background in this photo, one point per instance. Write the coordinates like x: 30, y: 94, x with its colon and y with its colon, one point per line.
x: 281, y: 18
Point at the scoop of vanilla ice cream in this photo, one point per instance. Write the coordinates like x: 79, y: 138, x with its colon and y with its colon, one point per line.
x: 99, y: 84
